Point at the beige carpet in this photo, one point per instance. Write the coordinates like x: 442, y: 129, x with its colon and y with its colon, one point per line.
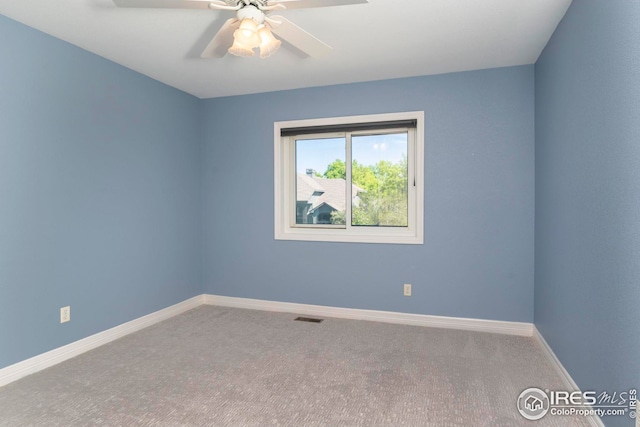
x: 216, y: 366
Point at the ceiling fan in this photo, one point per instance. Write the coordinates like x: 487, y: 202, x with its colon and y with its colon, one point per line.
x: 253, y: 25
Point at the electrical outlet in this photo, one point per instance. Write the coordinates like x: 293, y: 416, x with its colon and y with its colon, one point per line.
x: 65, y: 314
x: 407, y: 290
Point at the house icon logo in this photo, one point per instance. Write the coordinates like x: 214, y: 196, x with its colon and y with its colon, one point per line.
x: 533, y: 404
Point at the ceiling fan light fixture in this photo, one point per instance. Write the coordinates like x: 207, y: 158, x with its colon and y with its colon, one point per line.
x: 269, y: 43
x: 240, y: 49
x: 247, y: 33
x: 250, y: 17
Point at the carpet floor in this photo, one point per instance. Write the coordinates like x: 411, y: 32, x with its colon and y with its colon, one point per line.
x: 218, y: 366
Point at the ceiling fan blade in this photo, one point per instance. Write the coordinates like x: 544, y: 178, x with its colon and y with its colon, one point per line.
x: 298, y: 37
x: 172, y: 4
x: 223, y: 39
x: 303, y: 4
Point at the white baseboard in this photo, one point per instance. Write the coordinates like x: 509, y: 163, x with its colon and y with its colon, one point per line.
x: 509, y: 328
x: 568, y: 382
x: 45, y: 360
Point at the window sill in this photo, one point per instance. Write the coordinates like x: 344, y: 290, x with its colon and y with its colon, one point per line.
x: 342, y: 236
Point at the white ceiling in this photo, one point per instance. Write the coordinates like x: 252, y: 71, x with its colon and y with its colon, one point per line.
x: 379, y: 40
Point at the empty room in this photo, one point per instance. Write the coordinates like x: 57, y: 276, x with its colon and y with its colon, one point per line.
x: 319, y: 213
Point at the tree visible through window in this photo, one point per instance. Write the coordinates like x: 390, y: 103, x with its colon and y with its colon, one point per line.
x: 352, y: 177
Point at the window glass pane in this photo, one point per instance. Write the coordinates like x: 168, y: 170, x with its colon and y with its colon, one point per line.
x: 379, y: 174
x: 320, y: 181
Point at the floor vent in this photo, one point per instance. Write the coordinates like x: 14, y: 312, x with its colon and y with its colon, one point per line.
x: 308, y: 319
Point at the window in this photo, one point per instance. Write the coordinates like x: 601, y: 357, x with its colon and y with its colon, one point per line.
x: 350, y: 179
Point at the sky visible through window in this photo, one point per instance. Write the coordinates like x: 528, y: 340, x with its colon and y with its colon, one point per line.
x: 317, y: 154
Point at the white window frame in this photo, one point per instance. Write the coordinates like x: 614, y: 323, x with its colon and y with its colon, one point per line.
x: 284, y: 186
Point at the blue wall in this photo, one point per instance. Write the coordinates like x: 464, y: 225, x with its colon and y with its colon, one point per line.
x: 587, y: 293
x: 99, y: 193
x: 115, y: 188
x: 479, y: 204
